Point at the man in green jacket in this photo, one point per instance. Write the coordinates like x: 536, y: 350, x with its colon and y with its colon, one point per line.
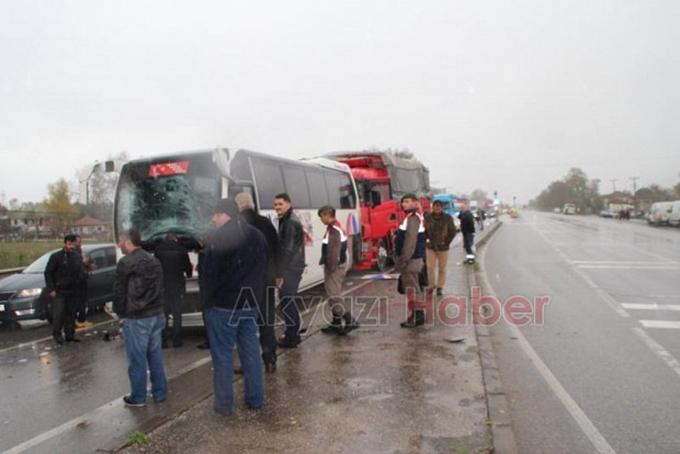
x: 440, y: 230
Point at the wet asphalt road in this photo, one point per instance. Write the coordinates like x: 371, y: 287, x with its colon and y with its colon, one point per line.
x: 605, y: 376
x: 50, y: 391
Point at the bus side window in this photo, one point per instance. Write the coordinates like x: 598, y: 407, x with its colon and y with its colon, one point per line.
x: 296, y: 186
x: 269, y: 182
x: 317, y: 187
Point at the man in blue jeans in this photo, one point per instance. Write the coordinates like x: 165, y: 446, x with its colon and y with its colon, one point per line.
x: 138, y: 301
x: 234, y: 272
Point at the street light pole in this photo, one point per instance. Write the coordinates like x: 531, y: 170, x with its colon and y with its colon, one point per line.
x: 634, y: 179
x: 614, y: 180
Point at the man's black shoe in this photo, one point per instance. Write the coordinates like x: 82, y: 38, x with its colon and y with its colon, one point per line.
x: 350, y: 325
x: 284, y: 342
x: 440, y: 292
x: 417, y: 319
x: 334, y: 327
x: 130, y: 403
x: 203, y: 346
x: 72, y: 339
x: 59, y: 339
x: 177, y: 344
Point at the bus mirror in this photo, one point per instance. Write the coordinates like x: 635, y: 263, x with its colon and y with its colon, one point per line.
x: 222, y: 158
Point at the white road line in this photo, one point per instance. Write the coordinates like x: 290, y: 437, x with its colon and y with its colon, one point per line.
x: 662, y: 324
x: 598, y: 441
x: 68, y: 425
x: 651, y: 307
x: 625, y: 262
x: 630, y: 267
x: 606, y: 297
x: 661, y: 352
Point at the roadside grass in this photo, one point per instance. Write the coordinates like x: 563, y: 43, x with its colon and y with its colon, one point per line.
x: 17, y: 254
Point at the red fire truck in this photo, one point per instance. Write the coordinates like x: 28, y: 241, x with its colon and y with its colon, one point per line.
x: 382, y: 178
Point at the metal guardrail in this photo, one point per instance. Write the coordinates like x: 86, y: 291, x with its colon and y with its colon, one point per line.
x: 9, y: 271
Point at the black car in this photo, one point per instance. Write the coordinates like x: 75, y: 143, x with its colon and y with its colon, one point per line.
x: 23, y: 296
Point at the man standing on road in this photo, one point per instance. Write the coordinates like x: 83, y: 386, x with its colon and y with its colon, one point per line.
x: 81, y: 292
x: 440, y: 231
x: 64, y: 275
x: 176, y: 265
x: 291, y: 257
x: 467, y: 227
x: 333, y: 259
x: 267, y: 308
x: 138, y: 301
x: 234, y: 270
x: 410, y: 250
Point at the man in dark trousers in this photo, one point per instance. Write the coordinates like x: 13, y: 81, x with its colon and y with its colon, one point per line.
x: 176, y: 265
x: 81, y: 292
x: 234, y: 269
x: 138, y: 301
x: 291, y: 264
x: 467, y: 227
x: 440, y: 231
x: 334, y: 259
x: 267, y: 309
x: 64, y: 276
x: 410, y: 251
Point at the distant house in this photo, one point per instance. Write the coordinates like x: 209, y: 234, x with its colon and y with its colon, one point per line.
x: 89, y: 226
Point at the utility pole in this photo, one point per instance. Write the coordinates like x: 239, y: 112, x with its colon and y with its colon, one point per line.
x: 634, y: 180
x: 614, y: 180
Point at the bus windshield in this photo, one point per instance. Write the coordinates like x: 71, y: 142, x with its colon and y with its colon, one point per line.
x: 173, y: 195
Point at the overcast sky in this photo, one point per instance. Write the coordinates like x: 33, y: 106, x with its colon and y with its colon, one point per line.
x: 504, y: 95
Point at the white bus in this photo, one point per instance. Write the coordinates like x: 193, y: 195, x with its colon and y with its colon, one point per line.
x: 177, y: 192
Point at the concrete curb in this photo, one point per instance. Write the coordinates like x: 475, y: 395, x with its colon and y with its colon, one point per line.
x: 503, y: 439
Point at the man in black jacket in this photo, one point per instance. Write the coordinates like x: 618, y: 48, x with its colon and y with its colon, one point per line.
x: 234, y: 270
x: 467, y: 227
x: 267, y: 308
x: 138, y: 301
x: 440, y: 231
x: 291, y: 264
x: 175, y: 261
x: 64, y: 275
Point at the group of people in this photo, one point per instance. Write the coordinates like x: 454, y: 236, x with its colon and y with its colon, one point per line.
x: 243, y: 263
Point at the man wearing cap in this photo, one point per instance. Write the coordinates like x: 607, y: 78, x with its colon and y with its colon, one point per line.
x: 234, y: 270
x: 440, y: 231
x: 291, y: 264
x: 410, y: 250
x: 333, y: 259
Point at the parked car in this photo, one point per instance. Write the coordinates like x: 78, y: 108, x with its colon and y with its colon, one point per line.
x: 606, y: 214
x: 23, y: 296
x: 569, y: 208
x: 674, y: 216
x: 659, y: 213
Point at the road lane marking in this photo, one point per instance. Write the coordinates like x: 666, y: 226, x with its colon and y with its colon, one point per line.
x: 661, y: 324
x: 117, y: 402
x: 661, y: 352
x: 651, y: 307
x: 606, y: 297
x: 598, y: 441
x: 630, y: 267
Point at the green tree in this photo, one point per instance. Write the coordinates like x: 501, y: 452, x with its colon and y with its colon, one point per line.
x: 59, y: 207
